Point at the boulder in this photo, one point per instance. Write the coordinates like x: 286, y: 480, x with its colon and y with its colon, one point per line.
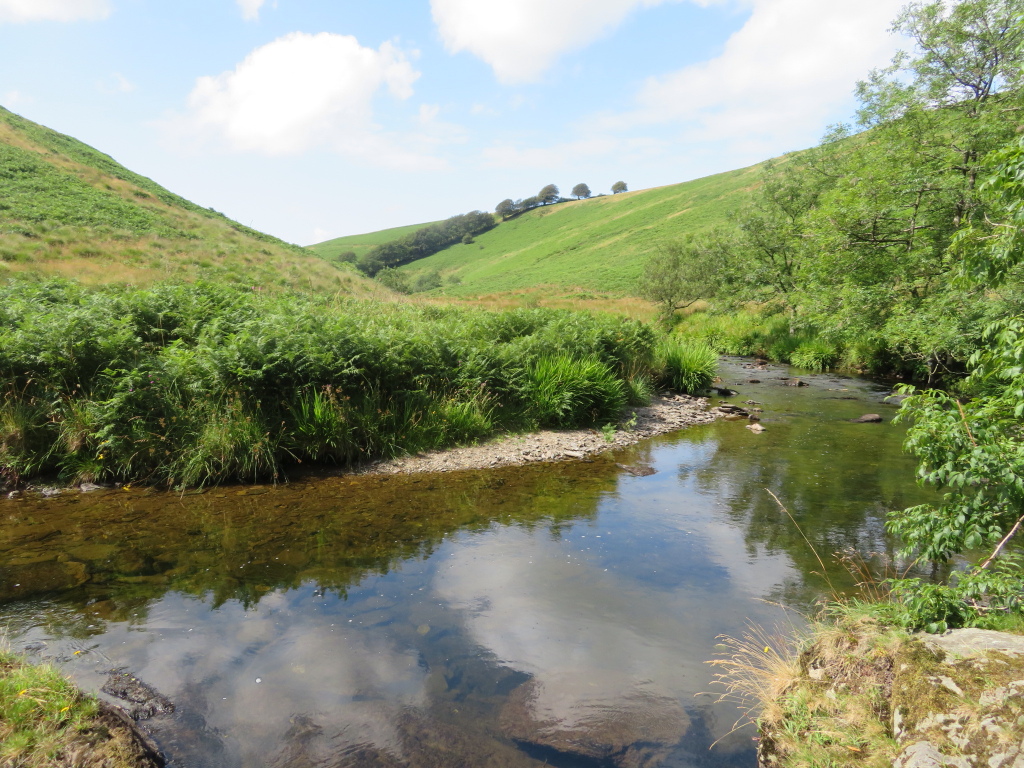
x: 637, y: 731
x: 867, y: 418
x: 756, y: 428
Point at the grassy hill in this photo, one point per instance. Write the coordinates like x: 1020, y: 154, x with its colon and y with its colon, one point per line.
x: 67, y: 209
x: 360, y: 244
x: 595, y: 245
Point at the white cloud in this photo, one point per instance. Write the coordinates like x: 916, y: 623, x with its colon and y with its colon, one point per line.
x: 300, y: 91
x: 792, y: 64
x: 250, y: 9
x: 53, y: 10
x: 116, y: 83
x: 13, y: 98
x: 521, y: 40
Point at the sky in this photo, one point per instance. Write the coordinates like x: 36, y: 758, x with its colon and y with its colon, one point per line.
x: 312, y: 119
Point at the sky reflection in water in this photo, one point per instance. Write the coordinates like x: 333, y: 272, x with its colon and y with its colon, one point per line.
x: 372, y: 621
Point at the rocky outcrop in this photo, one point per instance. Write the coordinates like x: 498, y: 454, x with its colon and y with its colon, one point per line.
x: 875, y: 696
x: 967, y: 709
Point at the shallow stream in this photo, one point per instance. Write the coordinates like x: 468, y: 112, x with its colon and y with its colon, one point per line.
x: 559, y: 614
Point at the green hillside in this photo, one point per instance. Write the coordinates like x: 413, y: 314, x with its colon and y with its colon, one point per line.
x: 67, y: 209
x: 360, y: 244
x: 598, y: 244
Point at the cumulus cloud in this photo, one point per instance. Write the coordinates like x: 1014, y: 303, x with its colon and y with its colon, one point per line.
x: 53, y: 10
x: 793, y: 63
x: 521, y: 40
x: 250, y: 9
x: 300, y: 91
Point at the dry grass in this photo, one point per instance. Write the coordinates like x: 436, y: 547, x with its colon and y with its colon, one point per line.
x: 556, y: 297
x: 820, y: 698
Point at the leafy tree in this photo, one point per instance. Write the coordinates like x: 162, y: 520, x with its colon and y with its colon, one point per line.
x: 425, y: 241
x: 393, y: 279
x: 973, y: 449
x: 427, y: 281
x: 619, y: 186
x: 580, y: 191
x: 856, y: 235
x: 506, y: 209
x: 347, y: 257
x: 686, y: 271
x: 548, y: 194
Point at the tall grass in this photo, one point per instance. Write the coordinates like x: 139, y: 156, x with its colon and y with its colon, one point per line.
x: 687, y: 366
x: 192, y: 384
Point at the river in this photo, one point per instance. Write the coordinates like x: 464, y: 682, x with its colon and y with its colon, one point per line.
x: 553, y: 614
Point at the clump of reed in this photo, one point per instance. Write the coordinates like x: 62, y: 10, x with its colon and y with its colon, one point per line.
x: 687, y: 366
x: 192, y: 384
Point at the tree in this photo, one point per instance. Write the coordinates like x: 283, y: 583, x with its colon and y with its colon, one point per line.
x: 619, y: 186
x: 393, y: 279
x: 856, y: 235
x: 683, y: 272
x: 427, y: 281
x: 581, y: 190
x: 972, y: 449
x: 548, y: 194
x: 506, y: 209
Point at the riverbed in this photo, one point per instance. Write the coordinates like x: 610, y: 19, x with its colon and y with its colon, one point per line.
x: 549, y: 614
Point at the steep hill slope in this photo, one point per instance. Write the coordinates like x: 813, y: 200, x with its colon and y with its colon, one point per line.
x: 598, y: 244
x: 68, y: 209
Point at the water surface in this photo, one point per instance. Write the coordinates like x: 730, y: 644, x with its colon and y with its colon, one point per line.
x: 394, y: 621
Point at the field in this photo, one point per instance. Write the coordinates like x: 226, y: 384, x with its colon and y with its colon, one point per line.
x: 72, y: 211
x: 596, y: 245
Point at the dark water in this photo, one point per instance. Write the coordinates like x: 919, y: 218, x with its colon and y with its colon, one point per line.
x: 375, y: 621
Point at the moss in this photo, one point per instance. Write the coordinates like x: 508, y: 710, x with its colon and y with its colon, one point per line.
x: 864, y: 690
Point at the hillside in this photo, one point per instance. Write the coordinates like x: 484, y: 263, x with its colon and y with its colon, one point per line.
x: 360, y: 244
x: 598, y: 244
x: 67, y: 209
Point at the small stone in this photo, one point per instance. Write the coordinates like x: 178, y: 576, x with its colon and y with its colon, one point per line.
x: 947, y: 683
x: 755, y: 428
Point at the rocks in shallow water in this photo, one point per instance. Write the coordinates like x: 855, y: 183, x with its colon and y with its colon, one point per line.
x: 867, y: 418
x: 142, y: 699
x: 637, y: 470
x: 756, y: 428
x: 637, y: 731
x: 796, y: 383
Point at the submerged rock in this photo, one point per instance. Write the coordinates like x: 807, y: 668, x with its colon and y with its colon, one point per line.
x: 636, y: 731
x: 143, y: 700
x: 867, y: 418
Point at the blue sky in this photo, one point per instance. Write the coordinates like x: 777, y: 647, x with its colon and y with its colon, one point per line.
x: 311, y: 119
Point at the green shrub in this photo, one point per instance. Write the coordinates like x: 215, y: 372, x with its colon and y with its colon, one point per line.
x: 568, y: 392
x: 814, y: 355
x: 687, y: 366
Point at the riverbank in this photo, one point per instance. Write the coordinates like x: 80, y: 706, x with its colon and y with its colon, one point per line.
x: 859, y: 693
x: 46, y: 722
x: 203, y: 385
x: 666, y: 413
